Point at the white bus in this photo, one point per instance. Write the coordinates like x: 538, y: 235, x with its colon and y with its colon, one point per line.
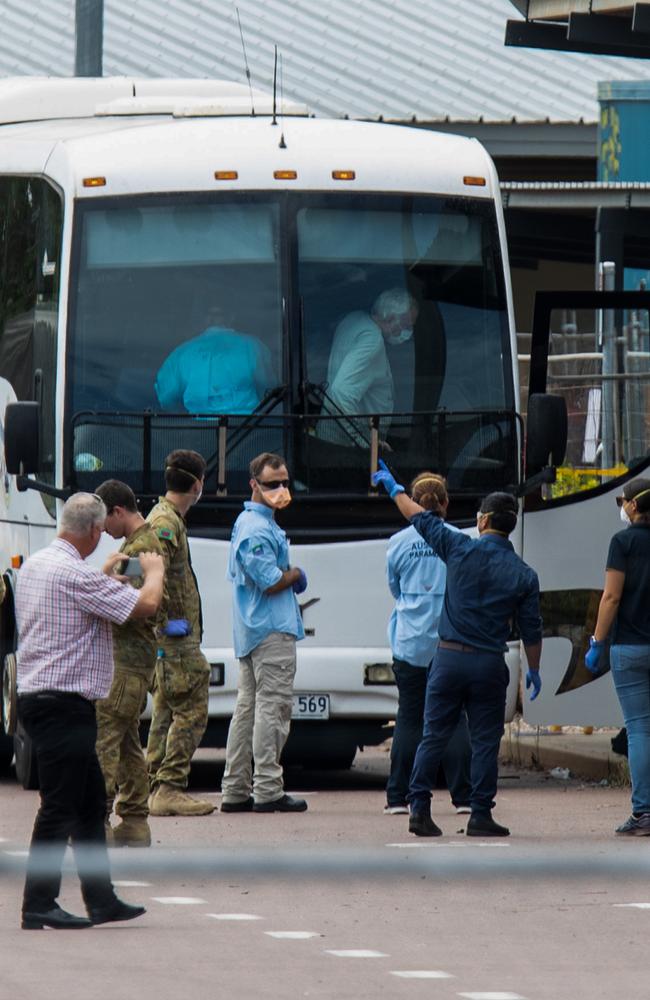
x: 134, y: 215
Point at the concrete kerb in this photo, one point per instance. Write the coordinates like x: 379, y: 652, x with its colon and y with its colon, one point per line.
x: 586, y: 756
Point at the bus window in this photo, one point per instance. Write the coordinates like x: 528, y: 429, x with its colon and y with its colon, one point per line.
x: 454, y: 355
x: 177, y: 309
x: 599, y: 361
x: 30, y: 232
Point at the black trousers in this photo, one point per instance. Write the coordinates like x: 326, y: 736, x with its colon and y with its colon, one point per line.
x: 456, y: 760
x: 63, y: 731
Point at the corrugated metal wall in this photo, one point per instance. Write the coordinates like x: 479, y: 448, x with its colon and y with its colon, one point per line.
x: 431, y: 59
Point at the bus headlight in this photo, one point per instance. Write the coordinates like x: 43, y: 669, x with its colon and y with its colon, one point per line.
x: 378, y: 673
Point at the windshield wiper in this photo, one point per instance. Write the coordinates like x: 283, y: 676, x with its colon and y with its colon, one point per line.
x: 268, y: 402
x: 332, y: 413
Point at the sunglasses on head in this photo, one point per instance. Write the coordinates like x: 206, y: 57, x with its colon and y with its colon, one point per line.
x: 273, y: 484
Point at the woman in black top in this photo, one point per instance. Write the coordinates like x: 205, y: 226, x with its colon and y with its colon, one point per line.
x: 625, y: 605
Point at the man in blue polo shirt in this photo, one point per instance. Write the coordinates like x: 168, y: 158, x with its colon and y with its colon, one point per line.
x: 266, y: 625
x: 489, y: 588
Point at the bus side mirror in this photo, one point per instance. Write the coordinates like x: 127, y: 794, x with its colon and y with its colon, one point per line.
x: 546, y: 431
x: 22, y: 438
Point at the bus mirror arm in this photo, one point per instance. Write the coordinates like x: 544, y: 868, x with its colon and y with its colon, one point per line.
x: 534, y: 483
x: 24, y: 483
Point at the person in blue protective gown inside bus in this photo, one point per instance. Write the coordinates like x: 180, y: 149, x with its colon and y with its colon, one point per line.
x: 220, y: 371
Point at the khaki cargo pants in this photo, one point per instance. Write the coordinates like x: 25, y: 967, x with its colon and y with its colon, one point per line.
x: 260, y: 725
x: 118, y: 743
x: 179, y: 715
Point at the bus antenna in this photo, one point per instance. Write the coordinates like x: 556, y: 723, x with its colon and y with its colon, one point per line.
x: 282, y: 144
x: 247, y: 70
x: 274, y: 120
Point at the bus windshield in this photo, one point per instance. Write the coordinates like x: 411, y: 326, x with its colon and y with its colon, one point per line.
x: 305, y: 319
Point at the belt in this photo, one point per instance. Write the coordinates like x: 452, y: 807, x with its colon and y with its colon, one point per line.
x: 458, y: 647
x: 53, y: 696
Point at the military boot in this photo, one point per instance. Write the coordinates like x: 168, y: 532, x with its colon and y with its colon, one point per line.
x: 133, y: 831
x: 167, y: 800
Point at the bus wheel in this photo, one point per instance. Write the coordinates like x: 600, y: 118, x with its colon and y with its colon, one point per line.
x: 26, y: 766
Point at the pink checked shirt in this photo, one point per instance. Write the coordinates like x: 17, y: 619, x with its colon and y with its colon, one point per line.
x: 64, y: 608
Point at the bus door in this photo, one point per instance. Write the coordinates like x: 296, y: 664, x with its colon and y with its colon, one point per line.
x: 593, y: 350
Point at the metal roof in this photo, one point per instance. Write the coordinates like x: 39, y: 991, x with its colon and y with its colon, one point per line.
x: 428, y: 60
x: 576, y: 194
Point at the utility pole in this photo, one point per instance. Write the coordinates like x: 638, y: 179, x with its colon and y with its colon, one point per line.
x: 89, y: 37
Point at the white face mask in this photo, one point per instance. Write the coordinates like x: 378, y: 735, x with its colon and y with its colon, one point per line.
x: 401, y: 337
x: 625, y: 517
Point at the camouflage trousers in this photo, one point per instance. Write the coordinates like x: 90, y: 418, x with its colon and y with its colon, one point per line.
x: 180, y: 714
x: 118, y: 744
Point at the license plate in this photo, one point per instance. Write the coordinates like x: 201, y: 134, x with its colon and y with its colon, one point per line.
x: 311, y: 706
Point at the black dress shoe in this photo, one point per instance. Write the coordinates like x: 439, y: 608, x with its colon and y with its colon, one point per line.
x: 422, y: 825
x: 61, y: 920
x: 245, y: 806
x: 117, y: 910
x: 284, y: 805
x: 482, y: 825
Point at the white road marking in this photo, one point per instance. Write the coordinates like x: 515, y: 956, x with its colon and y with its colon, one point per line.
x: 17, y: 854
x: 179, y: 900
x: 422, y: 974
x: 449, y: 843
x: 293, y: 935
x: 637, y: 906
x: 234, y: 916
x: 357, y: 953
x: 125, y: 884
x: 492, y: 996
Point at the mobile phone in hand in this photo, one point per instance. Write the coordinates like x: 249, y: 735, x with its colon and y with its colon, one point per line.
x: 131, y: 567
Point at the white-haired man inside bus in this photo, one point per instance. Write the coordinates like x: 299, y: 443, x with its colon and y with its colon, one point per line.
x: 359, y: 375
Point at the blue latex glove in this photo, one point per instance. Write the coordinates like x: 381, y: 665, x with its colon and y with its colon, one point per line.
x: 387, y: 480
x: 301, y: 583
x: 177, y: 627
x: 535, y: 681
x: 593, y: 655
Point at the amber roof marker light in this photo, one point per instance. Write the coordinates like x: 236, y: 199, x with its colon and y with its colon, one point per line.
x: 343, y: 175
x: 94, y: 182
x: 225, y: 175
x: 475, y: 181
x: 285, y: 175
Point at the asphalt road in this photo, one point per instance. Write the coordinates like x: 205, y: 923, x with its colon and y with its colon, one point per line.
x: 394, y: 929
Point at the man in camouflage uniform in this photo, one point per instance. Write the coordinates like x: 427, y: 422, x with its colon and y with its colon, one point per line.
x: 180, y: 695
x: 134, y: 654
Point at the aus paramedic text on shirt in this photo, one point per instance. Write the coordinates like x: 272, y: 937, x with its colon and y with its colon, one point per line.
x: 220, y: 371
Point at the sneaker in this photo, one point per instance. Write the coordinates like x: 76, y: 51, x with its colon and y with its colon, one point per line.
x: 422, y: 825
x: 463, y: 810
x: 401, y: 810
x: 285, y: 804
x: 133, y: 831
x: 243, y: 806
x: 482, y: 825
x: 167, y: 800
x: 635, y: 826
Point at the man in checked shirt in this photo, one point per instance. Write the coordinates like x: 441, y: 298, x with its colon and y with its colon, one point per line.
x: 64, y: 610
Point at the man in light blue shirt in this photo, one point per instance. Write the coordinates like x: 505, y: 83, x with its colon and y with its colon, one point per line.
x: 266, y: 625
x: 220, y: 371
x: 417, y: 577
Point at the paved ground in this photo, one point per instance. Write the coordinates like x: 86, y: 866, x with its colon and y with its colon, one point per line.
x: 407, y: 934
